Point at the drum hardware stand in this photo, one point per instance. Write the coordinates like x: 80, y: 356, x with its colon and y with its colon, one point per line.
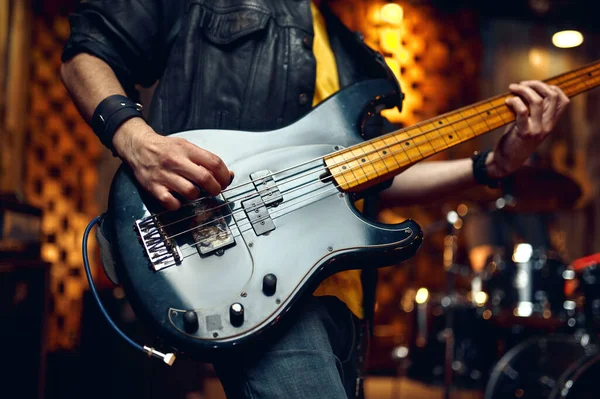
x: 450, y: 246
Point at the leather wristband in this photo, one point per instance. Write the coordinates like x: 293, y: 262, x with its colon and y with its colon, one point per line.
x: 480, y: 173
x: 110, y: 114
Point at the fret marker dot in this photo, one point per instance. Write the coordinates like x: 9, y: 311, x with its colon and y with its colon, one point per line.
x: 440, y: 122
x: 363, y: 160
x: 488, y: 112
x: 344, y: 167
x: 384, y: 152
x: 450, y: 137
x: 407, y: 143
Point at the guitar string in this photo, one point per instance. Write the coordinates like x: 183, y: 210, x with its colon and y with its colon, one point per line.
x: 302, y: 174
x: 246, y: 222
x: 393, y: 154
x: 283, y: 181
x: 582, y: 72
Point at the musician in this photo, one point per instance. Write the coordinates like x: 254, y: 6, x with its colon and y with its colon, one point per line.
x: 258, y: 65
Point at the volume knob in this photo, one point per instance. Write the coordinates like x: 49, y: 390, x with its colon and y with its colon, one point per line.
x: 269, y: 285
x: 236, y: 314
x: 190, y: 321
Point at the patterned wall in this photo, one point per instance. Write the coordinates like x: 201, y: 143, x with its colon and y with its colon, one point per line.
x: 61, y: 179
x: 434, y: 54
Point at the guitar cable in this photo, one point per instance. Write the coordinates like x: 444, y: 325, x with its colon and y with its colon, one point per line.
x: 168, y: 358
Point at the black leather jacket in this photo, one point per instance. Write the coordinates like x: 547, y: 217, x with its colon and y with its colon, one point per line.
x: 230, y: 64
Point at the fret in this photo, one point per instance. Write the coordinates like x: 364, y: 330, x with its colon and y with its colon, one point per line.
x: 410, y: 148
x: 491, y: 118
x: 337, y: 167
x: 437, y: 142
x: 376, y: 160
x: 506, y: 114
x: 476, y: 122
x: 355, y: 168
x: 460, y: 125
x: 424, y: 144
x: 363, y: 159
x: 396, y: 149
x: 448, y: 132
x: 384, y: 153
x: 497, y: 106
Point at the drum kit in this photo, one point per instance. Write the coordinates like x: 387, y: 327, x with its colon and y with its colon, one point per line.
x: 528, y: 325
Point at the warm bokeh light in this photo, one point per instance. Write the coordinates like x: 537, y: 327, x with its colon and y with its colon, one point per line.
x: 422, y: 295
x: 462, y: 209
x: 538, y: 57
x: 567, y: 39
x: 392, y: 14
x: 390, y: 40
x: 479, y: 255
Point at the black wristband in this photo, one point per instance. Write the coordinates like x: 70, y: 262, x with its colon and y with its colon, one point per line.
x: 110, y: 114
x: 480, y: 170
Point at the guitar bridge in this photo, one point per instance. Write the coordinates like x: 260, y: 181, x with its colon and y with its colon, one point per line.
x: 161, y: 251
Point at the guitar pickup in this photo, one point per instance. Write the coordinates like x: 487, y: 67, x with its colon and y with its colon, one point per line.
x: 259, y: 216
x: 266, y: 187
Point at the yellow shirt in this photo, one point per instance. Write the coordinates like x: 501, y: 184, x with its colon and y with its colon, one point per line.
x: 344, y: 285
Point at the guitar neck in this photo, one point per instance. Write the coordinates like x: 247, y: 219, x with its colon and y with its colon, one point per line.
x: 366, y: 164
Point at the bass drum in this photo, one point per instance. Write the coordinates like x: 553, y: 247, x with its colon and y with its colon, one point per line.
x: 580, y: 381
x: 532, y: 369
x: 472, y: 343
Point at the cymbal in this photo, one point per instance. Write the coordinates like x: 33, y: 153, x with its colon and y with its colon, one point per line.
x: 529, y: 189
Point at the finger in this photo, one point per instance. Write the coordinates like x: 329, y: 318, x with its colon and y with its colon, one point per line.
x: 201, y: 177
x: 521, y: 112
x: 550, y: 97
x: 540, y: 87
x: 563, y: 100
x: 211, y: 163
x: 184, y: 187
x: 534, y: 102
x: 166, y: 198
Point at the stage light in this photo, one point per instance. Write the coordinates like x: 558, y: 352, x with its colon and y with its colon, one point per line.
x: 400, y: 352
x: 567, y: 39
x: 481, y: 298
x: 524, y: 309
x: 522, y: 253
x: 392, y: 14
x: 452, y: 217
x: 422, y: 295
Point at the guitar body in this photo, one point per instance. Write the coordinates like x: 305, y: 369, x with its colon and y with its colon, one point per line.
x: 197, y: 275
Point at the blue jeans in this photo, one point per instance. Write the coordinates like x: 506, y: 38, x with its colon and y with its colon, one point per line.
x: 312, y: 356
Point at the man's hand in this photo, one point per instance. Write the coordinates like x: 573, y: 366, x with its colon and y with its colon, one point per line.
x: 165, y: 165
x: 538, y: 107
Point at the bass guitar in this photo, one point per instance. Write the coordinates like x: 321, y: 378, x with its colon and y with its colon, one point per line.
x: 221, y: 270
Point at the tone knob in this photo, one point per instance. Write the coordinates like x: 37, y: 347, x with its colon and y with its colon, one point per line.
x: 190, y: 321
x: 236, y: 314
x: 269, y: 285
